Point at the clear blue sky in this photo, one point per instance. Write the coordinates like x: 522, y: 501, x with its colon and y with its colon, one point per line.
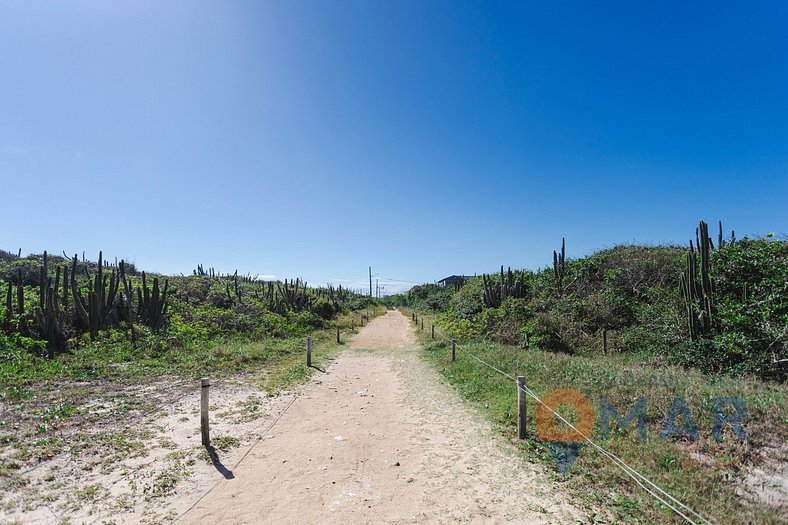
x: 423, y: 138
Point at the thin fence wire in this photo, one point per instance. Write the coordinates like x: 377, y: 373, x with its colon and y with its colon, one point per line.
x: 262, y: 435
x: 658, y: 493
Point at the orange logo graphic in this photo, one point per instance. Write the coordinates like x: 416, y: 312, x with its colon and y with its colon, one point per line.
x: 546, y: 420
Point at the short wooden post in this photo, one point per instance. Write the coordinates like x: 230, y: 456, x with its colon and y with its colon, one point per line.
x: 353, y: 324
x: 205, y: 384
x: 604, y: 340
x: 309, y: 350
x: 522, y: 399
x: 453, y: 350
x: 338, y: 341
x: 433, y: 331
x: 422, y: 324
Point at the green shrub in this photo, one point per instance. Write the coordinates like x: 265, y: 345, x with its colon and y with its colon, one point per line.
x: 323, y: 308
x: 632, y: 293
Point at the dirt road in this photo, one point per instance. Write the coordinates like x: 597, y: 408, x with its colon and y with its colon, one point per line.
x: 379, y: 438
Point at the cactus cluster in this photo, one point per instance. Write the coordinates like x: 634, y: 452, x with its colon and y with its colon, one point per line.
x: 50, y: 314
x: 696, y: 283
x: 336, y: 296
x: 152, y: 304
x: 65, y: 310
x: 293, y: 294
x: 510, y: 284
x: 99, y: 309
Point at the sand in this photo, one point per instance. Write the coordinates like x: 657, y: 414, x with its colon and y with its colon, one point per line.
x: 379, y: 437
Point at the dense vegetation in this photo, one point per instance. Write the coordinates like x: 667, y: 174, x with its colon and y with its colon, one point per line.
x: 721, y: 309
x: 94, y: 356
x: 652, y: 323
x: 81, y: 318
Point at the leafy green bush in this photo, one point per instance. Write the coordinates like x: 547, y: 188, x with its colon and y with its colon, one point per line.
x: 323, y: 308
x: 430, y: 297
x: 631, y: 294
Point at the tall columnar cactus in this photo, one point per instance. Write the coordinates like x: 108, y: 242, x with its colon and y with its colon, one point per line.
x: 696, y: 284
x: 20, y: 292
x: 509, y: 284
x: 492, y: 292
x: 559, y: 266
x: 99, y: 309
x: 9, y: 299
x: 293, y: 295
x: 265, y: 294
x: 152, y: 304
x: 42, y: 281
x: 237, y: 289
x: 126, y: 306
x: 50, y: 319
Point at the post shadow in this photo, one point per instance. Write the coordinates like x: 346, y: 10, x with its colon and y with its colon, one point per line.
x: 228, y: 474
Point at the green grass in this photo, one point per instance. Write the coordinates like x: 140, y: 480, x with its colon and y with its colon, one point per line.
x: 702, y: 475
x: 113, y: 356
x: 54, y: 403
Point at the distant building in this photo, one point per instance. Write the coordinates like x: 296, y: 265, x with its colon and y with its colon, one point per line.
x: 454, y: 280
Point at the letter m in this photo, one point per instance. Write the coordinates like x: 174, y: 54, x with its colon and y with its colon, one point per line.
x: 606, y: 410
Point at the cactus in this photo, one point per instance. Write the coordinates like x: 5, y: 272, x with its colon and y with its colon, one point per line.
x: 293, y: 295
x: 96, y: 311
x: 492, y: 293
x: 20, y: 292
x: 126, y: 306
x: 9, y: 299
x: 699, y: 294
x: 559, y: 267
x: 237, y: 289
x: 152, y: 305
x: 508, y: 285
x: 50, y: 319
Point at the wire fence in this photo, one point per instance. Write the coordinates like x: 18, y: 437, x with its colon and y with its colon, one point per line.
x: 679, y: 508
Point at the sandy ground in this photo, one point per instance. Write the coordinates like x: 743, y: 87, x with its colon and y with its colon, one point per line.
x: 133, y: 455
x: 380, y: 438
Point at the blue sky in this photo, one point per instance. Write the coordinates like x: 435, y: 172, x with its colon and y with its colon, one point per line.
x: 423, y: 138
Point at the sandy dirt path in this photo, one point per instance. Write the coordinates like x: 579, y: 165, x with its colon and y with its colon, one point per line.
x: 379, y: 437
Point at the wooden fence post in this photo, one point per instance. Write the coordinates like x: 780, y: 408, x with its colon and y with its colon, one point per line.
x: 338, y: 341
x: 433, y: 331
x: 422, y: 324
x: 353, y: 324
x: 604, y: 341
x: 453, y: 350
x: 522, y: 399
x: 309, y: 350
x: 205, y: 384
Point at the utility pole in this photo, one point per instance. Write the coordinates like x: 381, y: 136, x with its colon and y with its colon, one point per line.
x: 370, y: 281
